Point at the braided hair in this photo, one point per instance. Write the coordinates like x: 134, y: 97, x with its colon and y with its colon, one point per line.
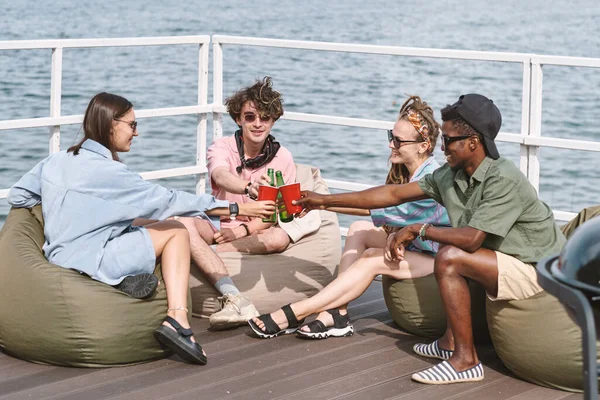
x: 398, y: 173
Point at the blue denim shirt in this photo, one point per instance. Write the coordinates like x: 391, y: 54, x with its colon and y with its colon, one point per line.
x: 89, y: 199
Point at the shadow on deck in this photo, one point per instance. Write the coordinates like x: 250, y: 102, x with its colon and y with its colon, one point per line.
x: 375, y: 363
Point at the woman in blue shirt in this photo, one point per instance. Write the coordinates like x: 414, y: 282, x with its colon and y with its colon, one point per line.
x: 411, y: 142
x: 90, y: 201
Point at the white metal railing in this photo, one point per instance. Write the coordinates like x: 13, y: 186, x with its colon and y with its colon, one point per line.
x: 56, y: 120
x: 530, y: 138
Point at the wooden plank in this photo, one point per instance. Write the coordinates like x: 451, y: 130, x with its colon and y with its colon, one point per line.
x: 403, y: 387
x: 574, y: 396
x: 50, y: 375
x: 94, y: 378
x: 500, y: 390
x: 543, y: 393
x: 235, y: 363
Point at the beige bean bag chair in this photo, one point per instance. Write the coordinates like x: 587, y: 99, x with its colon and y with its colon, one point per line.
x: 416, y: 307
x: 536, y: 338
x: 274, y: 280
x: 53, y: 315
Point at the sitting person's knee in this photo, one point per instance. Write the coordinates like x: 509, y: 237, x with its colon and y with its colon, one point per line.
x: 358, y: 226
x: 278, y: 240
x: 446, y: 258
x: 197, y: 227
x: 372, y: 252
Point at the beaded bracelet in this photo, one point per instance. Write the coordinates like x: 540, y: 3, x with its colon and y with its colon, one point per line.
x: 422, y: 231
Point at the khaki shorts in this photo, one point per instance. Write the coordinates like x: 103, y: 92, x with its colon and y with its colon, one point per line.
x: 516, y: 279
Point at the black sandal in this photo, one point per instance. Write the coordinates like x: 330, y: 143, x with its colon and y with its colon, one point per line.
x: 272, y: 329
x: 179, y: 340
x: 341, y: 327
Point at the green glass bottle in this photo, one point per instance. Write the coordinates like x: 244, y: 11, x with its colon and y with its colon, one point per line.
x: 284, y: 216
x: 271, y: 173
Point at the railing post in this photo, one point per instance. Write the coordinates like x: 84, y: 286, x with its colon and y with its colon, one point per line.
x: 535, y: 123
x: 217, y: 89
x: 201, y: 128
x: 55, y: 98
x: 525, y: 114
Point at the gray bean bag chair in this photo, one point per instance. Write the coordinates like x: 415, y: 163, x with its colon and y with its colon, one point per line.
x: 274, y: 280
x: 536, y: 338
x: 53, y: 315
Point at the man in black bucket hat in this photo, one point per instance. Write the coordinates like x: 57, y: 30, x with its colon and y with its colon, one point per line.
x: 500, y: 229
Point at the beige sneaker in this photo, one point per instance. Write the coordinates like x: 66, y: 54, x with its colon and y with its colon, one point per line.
x: 236, y: 310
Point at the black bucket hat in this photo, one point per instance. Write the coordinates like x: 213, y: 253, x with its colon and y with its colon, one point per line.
x: 483, y: 115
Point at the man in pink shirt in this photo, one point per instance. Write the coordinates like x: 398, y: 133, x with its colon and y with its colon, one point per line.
x: 238, y: 166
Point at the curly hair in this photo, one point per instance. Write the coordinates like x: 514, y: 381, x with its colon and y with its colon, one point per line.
x: 267, y: 101
x: 398, y: 173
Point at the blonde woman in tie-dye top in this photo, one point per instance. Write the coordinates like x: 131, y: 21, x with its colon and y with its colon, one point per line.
x: 412, y: 142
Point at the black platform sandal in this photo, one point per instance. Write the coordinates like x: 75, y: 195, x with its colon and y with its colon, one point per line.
x: 140, y: 286
x: 272, y: 329
x: 341, y: 327
x: 179, y: 340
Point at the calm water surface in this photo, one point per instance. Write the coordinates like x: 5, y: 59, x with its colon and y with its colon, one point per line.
x: 351, y: 85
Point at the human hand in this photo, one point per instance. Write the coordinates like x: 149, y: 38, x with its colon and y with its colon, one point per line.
x: 229, y: 234
x: 263, y: 180
x: 262, y: 208
x: 310, y: 201
x: 397, y: 242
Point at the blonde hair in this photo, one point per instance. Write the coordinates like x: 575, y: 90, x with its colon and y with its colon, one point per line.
x: 398, y: 173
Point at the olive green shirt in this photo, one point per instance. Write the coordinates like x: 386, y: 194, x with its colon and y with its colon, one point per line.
x: 499, y: 200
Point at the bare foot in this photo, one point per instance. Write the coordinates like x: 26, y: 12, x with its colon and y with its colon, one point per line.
x: 445, y: 343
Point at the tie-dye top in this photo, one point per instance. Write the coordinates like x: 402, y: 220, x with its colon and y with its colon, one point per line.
x: 415, y: 212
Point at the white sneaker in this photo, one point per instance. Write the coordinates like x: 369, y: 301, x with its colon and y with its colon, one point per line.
x: 236, y: 310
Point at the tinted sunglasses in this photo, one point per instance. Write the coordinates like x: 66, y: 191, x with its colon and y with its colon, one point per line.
x: 451, y: 139
x: 252, y: 117
x: 397, y: 141
x: 132, y: 124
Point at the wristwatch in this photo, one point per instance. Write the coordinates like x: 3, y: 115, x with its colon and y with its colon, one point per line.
x: 234, y: 210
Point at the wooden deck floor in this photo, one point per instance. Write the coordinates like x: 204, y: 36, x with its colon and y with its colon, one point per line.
x: 375, y: 363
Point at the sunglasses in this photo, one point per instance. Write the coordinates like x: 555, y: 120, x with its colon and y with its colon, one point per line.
x: 251, y: 117
x: 397, y: 141
x: 451, y: 139
x: 132, y: 124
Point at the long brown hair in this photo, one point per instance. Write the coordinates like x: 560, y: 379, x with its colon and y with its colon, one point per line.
x: 398, y: 173
x: 102, y: 110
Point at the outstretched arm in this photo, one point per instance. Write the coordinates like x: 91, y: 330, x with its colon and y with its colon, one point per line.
x: 233, y: 184
x: 377, y: 197
x: 350, y: 211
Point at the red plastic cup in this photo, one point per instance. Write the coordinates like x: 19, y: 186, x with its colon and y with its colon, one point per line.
x: 290, y: 193
x: 266, y: 192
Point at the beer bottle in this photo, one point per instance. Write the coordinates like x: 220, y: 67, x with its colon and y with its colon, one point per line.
x: 284, y: 216
x: 271, y: 173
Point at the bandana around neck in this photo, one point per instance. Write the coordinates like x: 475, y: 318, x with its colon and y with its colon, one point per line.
x: 267, y: 153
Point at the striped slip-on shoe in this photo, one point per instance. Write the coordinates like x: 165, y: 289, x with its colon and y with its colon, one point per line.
x: 432, y: 350
x: 444, y: 373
